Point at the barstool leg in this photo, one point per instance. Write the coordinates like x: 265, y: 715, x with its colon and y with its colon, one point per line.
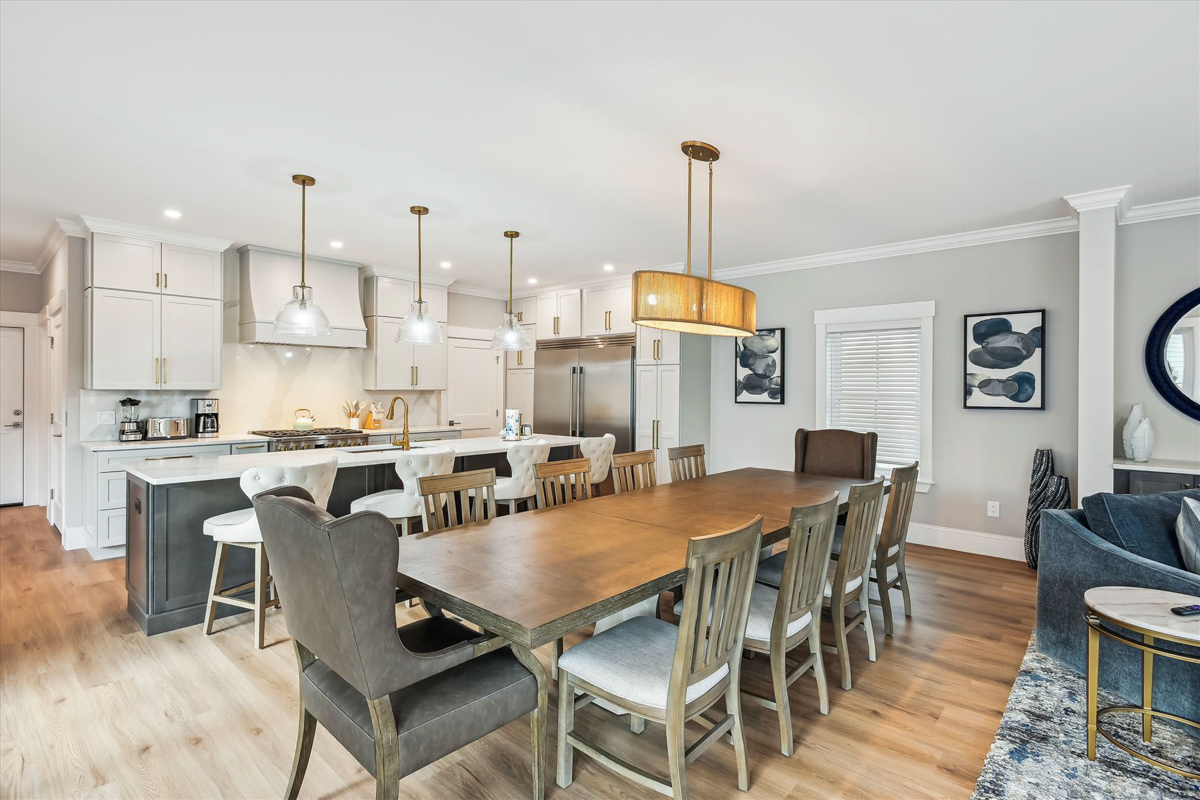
x: 214, y: 588
x: 260, y: 599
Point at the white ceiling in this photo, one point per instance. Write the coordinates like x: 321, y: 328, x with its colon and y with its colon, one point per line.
x: 841, y: 125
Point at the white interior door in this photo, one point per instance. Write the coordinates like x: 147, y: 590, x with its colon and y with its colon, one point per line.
x: 12, y: 416
x: 475, y: 380
x: 58, y: 406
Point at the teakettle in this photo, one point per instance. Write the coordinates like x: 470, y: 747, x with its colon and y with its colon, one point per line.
x: 305, y: 420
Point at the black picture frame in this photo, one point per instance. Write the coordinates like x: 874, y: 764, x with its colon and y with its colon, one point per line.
x: 1156, y: 365
x: 764, y: 398
x: 970, y: 369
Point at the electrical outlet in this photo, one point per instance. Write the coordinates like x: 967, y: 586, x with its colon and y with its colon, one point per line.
x: 106, y: 417
x: 993, y: 508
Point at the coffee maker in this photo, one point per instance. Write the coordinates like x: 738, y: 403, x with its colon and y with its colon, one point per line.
x: 207, y: 426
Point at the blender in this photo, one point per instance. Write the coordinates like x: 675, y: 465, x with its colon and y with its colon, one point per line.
x: 130, y: 429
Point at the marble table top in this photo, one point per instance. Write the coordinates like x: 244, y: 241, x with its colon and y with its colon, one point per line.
x: 1148, y: 609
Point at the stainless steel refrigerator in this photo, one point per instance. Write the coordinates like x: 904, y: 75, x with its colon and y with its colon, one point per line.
x: 585, y: 390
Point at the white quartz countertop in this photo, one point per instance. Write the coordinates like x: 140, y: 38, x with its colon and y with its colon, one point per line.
x: 192, y: 441
x: 1158, y: 465
x: 212, y: 468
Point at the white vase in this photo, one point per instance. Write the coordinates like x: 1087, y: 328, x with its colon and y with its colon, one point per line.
x: 1135, y: 418
x: 1142, y: 440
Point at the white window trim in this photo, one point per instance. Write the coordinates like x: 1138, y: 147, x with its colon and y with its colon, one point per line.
x: 889, y: 315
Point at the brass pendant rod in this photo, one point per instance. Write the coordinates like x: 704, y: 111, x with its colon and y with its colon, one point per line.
x: 510, y: 274
x: 689, y: 218
x: 420, y: 298
x: 303, y: 228
x: 710, y: 192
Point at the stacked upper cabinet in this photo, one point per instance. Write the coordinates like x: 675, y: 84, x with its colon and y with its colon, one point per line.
x: 388, y: 364
x: 671, y: 392
x: 153, y: 309
x: 606, y: 309
x: 558, y: 315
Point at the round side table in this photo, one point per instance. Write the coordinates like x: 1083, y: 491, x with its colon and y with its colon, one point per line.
x: 1146, y: 612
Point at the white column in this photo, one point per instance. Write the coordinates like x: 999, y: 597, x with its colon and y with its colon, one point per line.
x: 1099, y: 214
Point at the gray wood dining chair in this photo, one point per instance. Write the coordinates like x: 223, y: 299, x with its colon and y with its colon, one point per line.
x: 687, y: 462
x: 396, y: 699
x: 633, y: 471
x: 475, y: 492
x: 893, y: 537
x: 561, y: 482
x: 780, y: 619
x: 671, y: 675
x: 850, y: 579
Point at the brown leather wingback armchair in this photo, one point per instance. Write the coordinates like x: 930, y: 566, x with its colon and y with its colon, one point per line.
x: 396, y: 699
x: 840, y: 453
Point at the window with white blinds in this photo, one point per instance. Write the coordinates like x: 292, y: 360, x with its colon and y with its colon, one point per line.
x: 873, y: 383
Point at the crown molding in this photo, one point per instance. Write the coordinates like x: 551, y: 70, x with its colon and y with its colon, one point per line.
x: 1117, y: 197
x: 379, y: 271
x: 59, y: 231
x: 254, y: 248
x: 95, y: 225
x: 610, y: 280
x: 19, y: 266
x: 477, y: 291
x: 72, y: 228
x: 1026, y: 230
x: 1172, y: 208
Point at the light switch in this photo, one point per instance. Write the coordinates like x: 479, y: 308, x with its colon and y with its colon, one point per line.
x: 106, y: 417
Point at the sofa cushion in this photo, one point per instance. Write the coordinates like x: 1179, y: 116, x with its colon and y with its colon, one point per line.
x: 1142, y: 524
x: 1187, y: 530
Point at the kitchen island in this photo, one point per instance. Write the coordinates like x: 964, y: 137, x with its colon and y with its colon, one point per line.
x: 169, y: 559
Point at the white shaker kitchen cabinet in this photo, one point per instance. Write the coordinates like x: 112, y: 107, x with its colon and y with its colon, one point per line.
x: 191, y: 271
x: 523, y: 359
x: 668, y: 418
x: 559, y: 315
x: 519, y: 393
x: 437, y: 302
x: 387, y: 297
x: 191, y: 343
x: 124, y: 332
x: 386, y: 365
x: 126, y: 262
x: 606, y: 309
x: 646, y: 407
x: 526, y: 310
x: 430, y: 366
x: 656, y: 346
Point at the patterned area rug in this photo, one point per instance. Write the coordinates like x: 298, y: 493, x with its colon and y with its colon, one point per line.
x: 1041, y: 748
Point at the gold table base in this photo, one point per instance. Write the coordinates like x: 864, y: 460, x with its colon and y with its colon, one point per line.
x: 1149, y: 651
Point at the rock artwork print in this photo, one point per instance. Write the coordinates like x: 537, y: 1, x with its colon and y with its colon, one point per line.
x: 1004, y: 360
x: 758, y: 367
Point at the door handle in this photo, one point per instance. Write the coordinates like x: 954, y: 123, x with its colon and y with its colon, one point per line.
x: 571, y: 412
x: 13, y: 425
x: 164, y: 280
x: 167, y: 458
x: 156, y: 372
x: 416, y: 375
x: 654, y: 434
x: 164, y: 380
x: 57, y: 435
x: 579, y: 413
x: 656, y: 344
x: 157, y: 279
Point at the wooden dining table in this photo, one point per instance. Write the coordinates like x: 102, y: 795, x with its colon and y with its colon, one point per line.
x: 534, y: 577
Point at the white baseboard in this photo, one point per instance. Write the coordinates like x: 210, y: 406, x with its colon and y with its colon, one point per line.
x: 984, y: 544
x: 75, y: 538
x: 105, y: 553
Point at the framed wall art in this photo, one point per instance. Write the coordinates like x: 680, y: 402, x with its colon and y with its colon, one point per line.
x: 758, y: 367
x: 1004, y: 360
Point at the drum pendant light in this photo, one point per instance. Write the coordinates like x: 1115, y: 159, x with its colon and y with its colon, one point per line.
x: 301, y: 316
x: 510, y: 335
x: 419, y: 327
x: 689, y: 303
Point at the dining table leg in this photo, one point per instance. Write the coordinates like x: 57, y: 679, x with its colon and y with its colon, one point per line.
x: 539, y: 720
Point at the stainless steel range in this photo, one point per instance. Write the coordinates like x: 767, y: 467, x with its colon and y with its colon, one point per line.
x: 315, y: 439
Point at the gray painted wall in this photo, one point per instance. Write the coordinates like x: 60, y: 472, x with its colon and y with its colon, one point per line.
x: 21, y: 291
x: 1157, y: 263
x: 979, y: 455
x: 469, y: 311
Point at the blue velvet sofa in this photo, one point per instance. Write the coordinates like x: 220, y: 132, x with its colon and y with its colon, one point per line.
x: 1116, y: 540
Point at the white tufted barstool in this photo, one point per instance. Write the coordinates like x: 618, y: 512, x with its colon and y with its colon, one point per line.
x: 598, y: 450
x: 402, y: 506
x: 522, y: 486
x: 240, y: 529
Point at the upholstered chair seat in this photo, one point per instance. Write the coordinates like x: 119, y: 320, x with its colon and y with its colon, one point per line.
x: 762, y: 611
x: 235, y: 526
x: 770, y: 572
x: 402, y: 505
x: 522, y: 457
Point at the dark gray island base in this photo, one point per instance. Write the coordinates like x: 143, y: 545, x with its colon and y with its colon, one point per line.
x: 169, y: 560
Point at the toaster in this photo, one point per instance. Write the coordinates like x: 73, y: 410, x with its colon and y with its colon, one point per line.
x: 166, y: 428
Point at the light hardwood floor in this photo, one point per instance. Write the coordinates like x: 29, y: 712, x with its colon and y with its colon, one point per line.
x: 90, y: 707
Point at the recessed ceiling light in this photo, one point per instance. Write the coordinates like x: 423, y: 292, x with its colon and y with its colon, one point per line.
x: 171, y: 213
x: 445, y: 265
x: 608, y: 267
x: 336, y: 245
x: 533, y: 280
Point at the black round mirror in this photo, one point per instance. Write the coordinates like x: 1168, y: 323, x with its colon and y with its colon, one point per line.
x: 1173, y: 354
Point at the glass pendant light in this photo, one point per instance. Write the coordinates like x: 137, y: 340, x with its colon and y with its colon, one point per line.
x: 419, y: 327
x: 689, y: 303
x: 301, y: 316
x: 510, y: 335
